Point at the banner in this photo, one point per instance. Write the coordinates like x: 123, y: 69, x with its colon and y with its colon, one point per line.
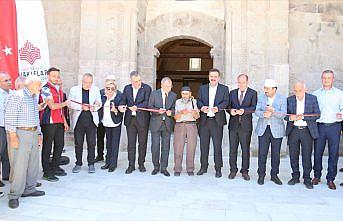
x: 8, y: 39
x: 33, y: 52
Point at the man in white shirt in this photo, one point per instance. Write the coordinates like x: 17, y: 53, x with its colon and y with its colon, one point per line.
x: 301, y: 131
x: 5, y: 91
x: 330, y: 101
x: 212, y: 101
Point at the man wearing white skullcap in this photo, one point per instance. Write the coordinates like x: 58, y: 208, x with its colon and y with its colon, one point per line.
x: 271, y: 109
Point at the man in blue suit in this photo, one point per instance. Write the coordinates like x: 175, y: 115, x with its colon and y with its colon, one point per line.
x: 271, y: 109
x: 136, y: 95
x: 213, y: 99
x: 301, y: 130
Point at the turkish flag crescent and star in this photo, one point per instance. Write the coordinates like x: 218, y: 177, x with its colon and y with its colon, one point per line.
x: 8, y: 39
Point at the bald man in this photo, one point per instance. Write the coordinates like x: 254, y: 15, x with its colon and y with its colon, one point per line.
x: 301, y: 131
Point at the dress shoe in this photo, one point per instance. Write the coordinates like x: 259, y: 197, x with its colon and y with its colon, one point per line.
x: 129, y: 170
x: 341, y: 170
x: 276, y: 180
x: 201, y: 171
x: 308, y: 184
x: 1, y: 194
x: 98, y: 159
x: 177, y: 174
x: 165, y: 172
x: 76, y: 169
x: 111, y: 169
x: 91, y: 169
x: 34, y: 194
x: 60, y: 173
x: 315, y: 181
x: 293, y: 181
x: 232, y: 175
x: 341, y: 184
x: 190, y: 173
x: 13, y: 203
x: 260, y: 180
x: 155, y: 171
x: 5, y: 178
x: 50, y: 178
x: 218, y: 173
x: 331, y: 185
x: 105, y: 167
x: 142, y: 168
x: 246, y: 176
x: 1, y: 184
x: 38, y: 184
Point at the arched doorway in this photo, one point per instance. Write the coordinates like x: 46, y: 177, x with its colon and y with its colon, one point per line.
x: 186, y: 62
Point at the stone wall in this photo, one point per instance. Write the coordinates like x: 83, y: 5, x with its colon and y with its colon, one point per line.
x: 316, y: 41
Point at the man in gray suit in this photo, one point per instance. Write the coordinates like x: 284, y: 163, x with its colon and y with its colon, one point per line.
x: 271, y: 109
x: 161, y: 125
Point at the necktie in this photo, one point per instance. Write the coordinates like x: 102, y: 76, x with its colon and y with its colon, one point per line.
x: 241, y: 98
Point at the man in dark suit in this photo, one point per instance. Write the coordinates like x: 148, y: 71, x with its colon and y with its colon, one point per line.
x: 242, y: 104
x: 161, y: 125
x: 301, y: 130
x: 213, y: 99
x: 136, y: 95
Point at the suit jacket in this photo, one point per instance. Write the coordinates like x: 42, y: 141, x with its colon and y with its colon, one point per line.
x: 116, y: 118
x: 277, y: 125
x: 76, y: 95
x: 156, y: 102
x: 248, y: 104
x: 311, y: 107
x: 221, y: 101
x: 142, y: 100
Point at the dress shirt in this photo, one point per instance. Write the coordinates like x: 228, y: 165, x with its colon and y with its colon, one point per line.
x: 300, y: 110
x: 135, y: 91
x: 22, y: 111
x: 239, y: 94
x: 270, y: 103
x: 330, y: 103
x: 211, y: 96
x: 107, y: 119
x: 3, y: 100
x: 181, y: 105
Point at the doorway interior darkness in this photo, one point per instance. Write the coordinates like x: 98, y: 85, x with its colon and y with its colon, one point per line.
x: 186, y: 62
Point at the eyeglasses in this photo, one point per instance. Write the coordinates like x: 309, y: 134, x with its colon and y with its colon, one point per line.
x: 110, y: 88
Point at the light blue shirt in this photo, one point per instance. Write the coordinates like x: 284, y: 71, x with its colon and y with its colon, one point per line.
x: 330, y: 103
x: 3, y: 100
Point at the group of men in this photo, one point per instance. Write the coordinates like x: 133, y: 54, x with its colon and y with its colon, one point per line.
x: 37, y: 116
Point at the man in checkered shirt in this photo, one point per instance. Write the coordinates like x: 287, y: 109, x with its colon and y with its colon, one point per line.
x: 24, y: 136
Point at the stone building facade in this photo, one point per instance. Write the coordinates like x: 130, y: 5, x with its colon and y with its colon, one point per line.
x: 287, y: 40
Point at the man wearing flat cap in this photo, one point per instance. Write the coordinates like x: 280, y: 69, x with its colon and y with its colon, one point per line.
x: 271, y: 109
x: 186, y: 114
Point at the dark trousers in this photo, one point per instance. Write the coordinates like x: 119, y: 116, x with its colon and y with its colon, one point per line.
x: 100, y: 136
x: 243, y: 138
x: 209, y: 130
x: 85, y: 127
x: 160, y: 147
x: 4, y: 161
x: 332, y: 134
x: 296, y: 138
x: 263, y: 148
x: 112, y: 145
x: 133, y: 131
x: 52, y: 134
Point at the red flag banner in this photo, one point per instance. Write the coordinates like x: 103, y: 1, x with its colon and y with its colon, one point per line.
x: 8, y: 38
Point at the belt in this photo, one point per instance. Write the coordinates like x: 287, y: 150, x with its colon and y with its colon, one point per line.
x: 27, y: 128
x: 329, y: 124
x: 186, y: 122
x: 300, y: 127
x: 210, y: 118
